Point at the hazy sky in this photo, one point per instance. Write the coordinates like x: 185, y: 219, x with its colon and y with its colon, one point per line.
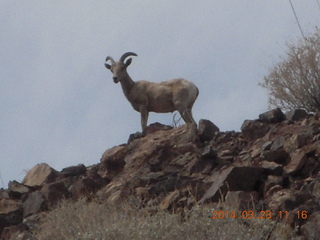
x: 59, y: 104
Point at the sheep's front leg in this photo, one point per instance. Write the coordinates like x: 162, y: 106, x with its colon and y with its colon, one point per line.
x: 144, y: 117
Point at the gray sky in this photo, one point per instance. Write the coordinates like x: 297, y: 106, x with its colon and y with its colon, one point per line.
x: 59, y: 104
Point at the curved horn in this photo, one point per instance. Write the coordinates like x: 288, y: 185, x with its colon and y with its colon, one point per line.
x: 110, y: 58
x: 127, y: 54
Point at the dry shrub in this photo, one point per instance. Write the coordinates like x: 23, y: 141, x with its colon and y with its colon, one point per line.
x: 99, y: 221
x: 294, y: 82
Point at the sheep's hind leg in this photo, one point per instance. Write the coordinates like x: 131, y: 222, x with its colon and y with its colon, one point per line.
x: 186, y: 114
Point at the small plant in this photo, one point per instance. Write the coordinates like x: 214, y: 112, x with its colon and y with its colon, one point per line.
x: 175, y: 122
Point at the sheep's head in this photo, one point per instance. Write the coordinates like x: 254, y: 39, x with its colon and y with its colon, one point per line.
x: 119, y: 69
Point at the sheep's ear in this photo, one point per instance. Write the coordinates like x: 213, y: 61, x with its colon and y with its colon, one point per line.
x: 107, y: 65
x: 128, y: 62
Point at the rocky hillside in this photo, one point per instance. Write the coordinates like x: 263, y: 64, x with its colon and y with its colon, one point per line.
x: 270, y: 168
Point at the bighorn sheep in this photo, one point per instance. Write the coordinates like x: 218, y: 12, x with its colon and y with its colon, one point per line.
x: 168, y: 96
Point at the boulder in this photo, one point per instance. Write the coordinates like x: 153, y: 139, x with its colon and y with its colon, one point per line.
x: 11, y: 213
x: 207, y: 130
x: 54, y: 192
x: 272, y: 116
x: 298, y: 159
x: 278, y: 156
x: 112, y: 161
x: 254, y: 129
x: 272, y: 168
x: 74, y: 170
x: 17, y: 189
x: 203, y: 165
x: 296, y: 114
x: 233, y: 179
x: 295, y: 141
x: 209, y: 152
x: 134, y: 136
x: 40, y: 174
x: 84, y: 187
x: 34, y: 203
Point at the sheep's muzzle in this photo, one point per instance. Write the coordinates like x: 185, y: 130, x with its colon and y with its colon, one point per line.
x: 115, y: 79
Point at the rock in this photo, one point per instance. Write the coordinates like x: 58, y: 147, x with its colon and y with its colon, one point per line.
x: 276, y: 153
x: 229, y: 179
x: 40, y: 174
x: 272, y: 116
x: 154, y: 127
x: 17, y: 232
x: 309, y: 168
x: 168, y: 184
x: 296, y: 114
x: 207, y: 130
x: 152, y: 178
x: 17, y: 189
x: 253, y: 129
x: 84, y: 187
x: 209, y: 152
x: 298, y: 159
x: 276, y: 200
x: 311, y: 228
x: 266, y: 145
x: 134, y: 136
x: 278, y: 156
x: 23, y: 234
x: 313, y: 129
x: 187, y: 134
x: 316, y: 189
x: 4, y: 193
x: 54, y: 192
x: 74, y: 170
x: 226, y: 156
x: 278, y: 143
x: 272, y: 168
x: 34, y: 222
x: 11, y: 213
x: 245, y: 156
x: 295, y: 141
x: 34, y: 203
x: 112, y: 161
x: 203, y: 165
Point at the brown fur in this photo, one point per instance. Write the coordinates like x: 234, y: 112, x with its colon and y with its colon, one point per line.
x: 144, y: 96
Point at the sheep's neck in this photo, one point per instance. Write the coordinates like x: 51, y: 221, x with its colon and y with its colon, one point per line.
x: 127, y: 84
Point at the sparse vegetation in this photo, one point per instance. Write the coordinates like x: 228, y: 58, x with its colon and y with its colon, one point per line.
x: 94, y: 221
x: 176, y: 122
x: 294, y: 82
